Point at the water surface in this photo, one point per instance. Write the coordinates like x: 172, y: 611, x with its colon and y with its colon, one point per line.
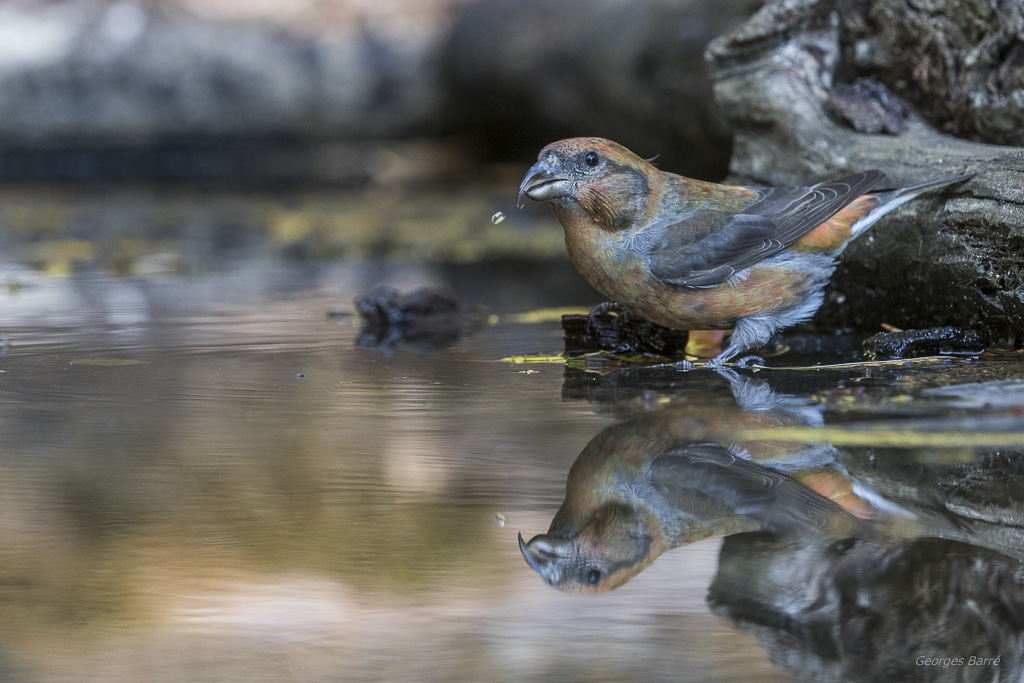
x: 203, y: 478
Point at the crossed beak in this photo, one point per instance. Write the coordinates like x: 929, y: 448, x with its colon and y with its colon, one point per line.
x: 542, y: 184
x: 545, y: 555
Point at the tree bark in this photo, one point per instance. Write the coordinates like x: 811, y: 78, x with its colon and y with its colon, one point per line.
x: 797, y: 79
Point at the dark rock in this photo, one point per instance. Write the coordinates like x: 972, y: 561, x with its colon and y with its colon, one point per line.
x: 961, y: 63
x: 868, y: 106
x: 621, y: 333
x: 423, y: 320
x: 916, y: 343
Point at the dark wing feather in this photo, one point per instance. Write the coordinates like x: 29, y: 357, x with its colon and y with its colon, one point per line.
x: 696, y: 252
x: 706, y: 479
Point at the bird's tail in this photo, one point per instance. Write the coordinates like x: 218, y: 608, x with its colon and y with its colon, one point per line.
x: 892, y: 200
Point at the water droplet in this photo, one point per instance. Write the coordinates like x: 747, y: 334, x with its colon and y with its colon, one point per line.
x: 497, y: 218
x: 500, y: 519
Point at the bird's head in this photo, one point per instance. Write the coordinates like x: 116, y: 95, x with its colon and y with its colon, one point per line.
x: 598, y: 177
x: 614, y: 546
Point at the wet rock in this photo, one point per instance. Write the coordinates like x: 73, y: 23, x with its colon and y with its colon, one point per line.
x: 423, y: 320
x: 950, y: 258
x: 930, y: 342
x: 621, y: 333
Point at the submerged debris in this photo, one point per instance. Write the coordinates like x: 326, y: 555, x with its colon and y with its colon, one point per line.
x: 930, y: 342
x: 425, y: 319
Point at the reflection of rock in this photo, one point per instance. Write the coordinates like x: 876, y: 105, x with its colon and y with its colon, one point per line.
x: 983, y: 497
x: 876, y: 611
x: 948, y: 260
x: 423, y: 320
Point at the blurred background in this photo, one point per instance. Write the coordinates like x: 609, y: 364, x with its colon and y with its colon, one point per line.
x: 150, y: 131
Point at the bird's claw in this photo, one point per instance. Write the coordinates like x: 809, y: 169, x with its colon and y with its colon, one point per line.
x: 684, y: 365
x: 747, y: 361
x: 715, y: 363
x: 602, y: 308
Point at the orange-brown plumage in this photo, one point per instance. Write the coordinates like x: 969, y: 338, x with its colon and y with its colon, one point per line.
x: 833, y: 234
x: 645, y: 486
x: 695, y: 255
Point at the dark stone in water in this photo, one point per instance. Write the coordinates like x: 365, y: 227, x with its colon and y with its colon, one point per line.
x: 620, y: 333
x: 917, y: 343
x: 423, y: 320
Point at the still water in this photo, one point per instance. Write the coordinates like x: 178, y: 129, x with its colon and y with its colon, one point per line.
x: 205, y: 478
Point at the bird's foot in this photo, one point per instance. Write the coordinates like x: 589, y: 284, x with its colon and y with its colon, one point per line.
x: 747, y: 361
x: 716, y: 363
x: 603, y: 308
x: 719, y: 361
x: 684, y: 365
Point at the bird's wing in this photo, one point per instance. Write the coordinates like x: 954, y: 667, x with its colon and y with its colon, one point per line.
x: 702, y: 251
x: 709, y: 479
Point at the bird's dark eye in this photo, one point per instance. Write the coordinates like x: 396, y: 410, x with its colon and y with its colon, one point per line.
x: 591, y: 158
x: 593, y: 577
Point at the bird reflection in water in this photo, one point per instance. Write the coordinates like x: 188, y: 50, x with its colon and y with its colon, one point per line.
x: 675, y: 476
x: 837, y: 581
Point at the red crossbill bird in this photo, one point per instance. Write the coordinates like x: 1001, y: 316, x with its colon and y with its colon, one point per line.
x: 645, y: 486
x: 695, y: 255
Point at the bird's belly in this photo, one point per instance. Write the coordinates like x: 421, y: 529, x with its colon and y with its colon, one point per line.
x: 773, y: 286
x: 766, y: 290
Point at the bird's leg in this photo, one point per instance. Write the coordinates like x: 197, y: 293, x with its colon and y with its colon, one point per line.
x: 719, y: 361
x: 750, y: 332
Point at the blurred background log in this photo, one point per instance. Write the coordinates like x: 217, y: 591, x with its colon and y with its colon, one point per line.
x: 286, y: 91
x: 526, y: 72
